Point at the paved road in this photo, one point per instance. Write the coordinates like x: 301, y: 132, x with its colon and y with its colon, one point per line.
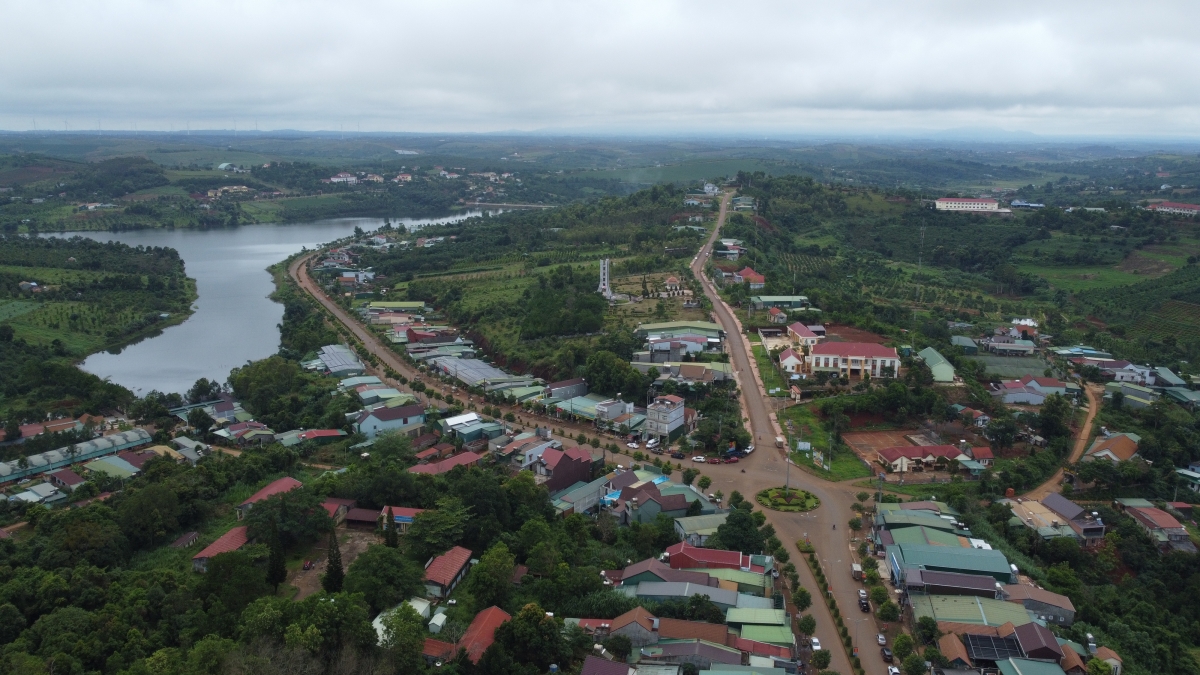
x: 298, y: 270
x: 1093, y: 392
x: 767, y: 467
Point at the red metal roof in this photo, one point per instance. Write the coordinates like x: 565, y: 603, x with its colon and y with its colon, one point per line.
x: 1174, y: 205
x: 67, y: 477
x: 285, y: 484
x: 362, y: 515
x: 400, y: 512
x: 961, y: 200
x: 230, y: 541
x: 801, y: 330
x: 758, y: 648
x: 709, y: 555
x: 868, y: 350
x: 321, y: 433
x: 436, y: 649
x: 461, y: 459
x: 1155, y: 518
x: 443, y: 569
x: 482, y: 632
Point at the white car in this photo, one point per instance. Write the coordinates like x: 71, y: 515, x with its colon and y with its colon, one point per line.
x: 749, y: 449
x: 632, y: 446
x: 816, y: 644
x: 652, y: 443
x: 862, y: 594
x: 882, y: 640
x: 893, y: 670
x: 699, y: 459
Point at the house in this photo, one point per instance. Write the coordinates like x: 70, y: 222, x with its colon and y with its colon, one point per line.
x: 1190, y: 477
x: 402, y: 517
x: 362, y: 519
x: 700, y: 653
x: 405, y: 419
x: 1110, y: 657
x: 696, y: 530
x: 641, y: 503
x: 965, y: 343
x: 747, y: 275
x: 567, y: 389
x: 1015, y: 393
x: 1017, y: 666
x: 186, y: 540
x: 482, y: 632
x: 652, y: 569
x: 443, y: 572
x: 904, y: 458
x: 277, y: 487
x: 1050, y: 607
x: 560, y: 469
x: 684, y: 556
x: 337, y: 508
x: 230, y: 541
x: 664, y: 418
x: 436, y: 468
x: 594, y: 665
x: 904, y: 557
x: 1037, y: 642
x: 1131, y: 395
x: 854, y: 359
x: 790, y: 361
x: 663, y: 591
x: 802, y: 335
x: 942, y: 370
x: 977, y: 418
x: 780, y: 301
x: 639, y: 625
x: 1120, y: 447
x: 1162, y: 527
x: 678, y: 629
x: 964, y: 204
x: 343, y: 177
x: 1088, y: 527
x: 65, y: 479
x: 776, y: 315
x: 1176, y: 208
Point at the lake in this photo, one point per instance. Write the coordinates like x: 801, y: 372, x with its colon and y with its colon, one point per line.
x: 234, y: 320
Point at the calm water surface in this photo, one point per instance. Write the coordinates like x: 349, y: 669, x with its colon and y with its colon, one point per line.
x: 234, y: 321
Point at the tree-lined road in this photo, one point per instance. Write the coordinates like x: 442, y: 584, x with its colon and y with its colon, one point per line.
x: 766, y: 467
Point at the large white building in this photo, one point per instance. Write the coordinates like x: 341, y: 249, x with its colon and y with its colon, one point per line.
x: 664, y: 417
x: 1175, y: 207
x: 854, y: 359
x: 964, y: 204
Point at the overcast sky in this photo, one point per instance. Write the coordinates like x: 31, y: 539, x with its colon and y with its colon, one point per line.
x: 1051, y: 68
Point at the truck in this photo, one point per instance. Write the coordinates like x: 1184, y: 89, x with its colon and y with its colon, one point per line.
x: 856, y: 571
x: 780, y: 442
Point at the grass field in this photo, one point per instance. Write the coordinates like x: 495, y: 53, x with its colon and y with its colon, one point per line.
x: 1014, y: 367
x: 771, y: 378
x: 1082, y: 278
x: 11, y: 309
x: 799, y: 422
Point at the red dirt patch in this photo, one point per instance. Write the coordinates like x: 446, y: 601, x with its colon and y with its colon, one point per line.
x: 1141, y: 264
x: 867, y: 443
x: 852, y: 334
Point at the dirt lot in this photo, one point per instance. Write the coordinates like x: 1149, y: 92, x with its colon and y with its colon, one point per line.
x: 836, y: 333
x: 1142, y: 264
x: 351, y: 543
x: 866, y: 443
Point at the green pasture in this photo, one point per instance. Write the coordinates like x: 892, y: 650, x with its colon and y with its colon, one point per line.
x: 1082, y: 278
x: 1012, y: 367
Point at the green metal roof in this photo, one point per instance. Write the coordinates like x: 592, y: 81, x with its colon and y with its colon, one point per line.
x: 925, y: 535
x: 932, y: 357
x: 894, y: 520
x: 1028, y: 667
x: 966, y: 560
x: 700, y: 524
x: 969, y: 609
x: 772, y: 635
x: 962, y: 341
x: 756, y: 617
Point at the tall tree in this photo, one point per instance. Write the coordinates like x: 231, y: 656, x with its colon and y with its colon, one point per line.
x: 276, y: 564
x: 391, y: 536
x: 491, y: 579
x: 334, y: 574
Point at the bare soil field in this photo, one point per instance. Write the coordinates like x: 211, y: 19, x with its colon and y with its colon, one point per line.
x: 866, y: 443
x: 351, y: 543
x: 836, y: 333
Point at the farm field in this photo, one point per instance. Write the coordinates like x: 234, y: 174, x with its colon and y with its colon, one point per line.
x: 1082, y: 278
x: 11, y: 309
x: 867, y: 443
x: 1012, y: 367
x: 1176, y: 319
x: 837, y: 333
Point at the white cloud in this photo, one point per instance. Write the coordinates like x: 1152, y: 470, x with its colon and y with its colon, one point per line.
x: 1053, y: 68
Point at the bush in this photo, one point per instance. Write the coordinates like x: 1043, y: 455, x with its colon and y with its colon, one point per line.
x: 888, y: 611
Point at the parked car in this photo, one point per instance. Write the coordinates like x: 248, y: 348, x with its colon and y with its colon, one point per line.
x: 893, y: 670
x: 714, y: 460
x: 886, y: 654
x: 308, y: 565
x: 816, y: 644
x: 881, y: 639
x: 632, y: 446
x: 749, y: 449
x: 700, y: 459
x: 677, y: 455
x: 731, y: 460
x: 864, y: 605
x: 862, y: 594
x: 652, y: 443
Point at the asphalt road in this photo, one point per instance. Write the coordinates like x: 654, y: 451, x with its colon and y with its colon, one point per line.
x: 767, y: 467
